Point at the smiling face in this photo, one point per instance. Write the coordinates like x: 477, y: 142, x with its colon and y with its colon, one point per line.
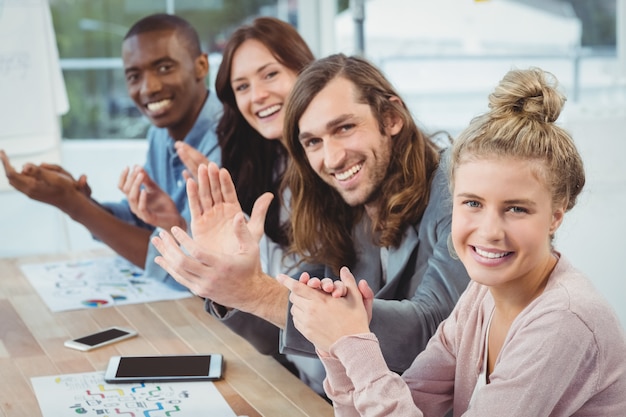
x: 344, y: 144
x: 261, y: 85
x: 164, y: 80
x: 502, y: 220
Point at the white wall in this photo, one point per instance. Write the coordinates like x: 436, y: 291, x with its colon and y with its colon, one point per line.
x: 592, y: 235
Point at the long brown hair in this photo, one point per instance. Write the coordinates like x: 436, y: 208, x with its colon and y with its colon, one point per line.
x: 253, y: 161
x: 321, y: 221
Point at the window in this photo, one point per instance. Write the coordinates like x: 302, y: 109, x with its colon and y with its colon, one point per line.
x: 89, y: 35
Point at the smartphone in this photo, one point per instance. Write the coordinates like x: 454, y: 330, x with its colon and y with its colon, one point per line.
x: 101, y: 338
x: 164, y: 368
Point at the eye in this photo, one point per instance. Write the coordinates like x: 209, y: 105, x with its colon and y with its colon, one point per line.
x: 311, y: 143
x: 471, y: 203
x: 132, y: 77
x: 517, y: 209
x: 271, y: 74
x: 163, y: 68
x: 240, y: 87
x: 345, y: 127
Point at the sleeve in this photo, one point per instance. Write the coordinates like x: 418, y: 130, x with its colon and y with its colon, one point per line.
x: 371, y: 390
x: 262, y: 334
x: 291, y: 340
x: 404, y: 325
x: 548, y: 366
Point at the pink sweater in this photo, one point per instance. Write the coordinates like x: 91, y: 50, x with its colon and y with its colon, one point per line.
x: 565, y: 355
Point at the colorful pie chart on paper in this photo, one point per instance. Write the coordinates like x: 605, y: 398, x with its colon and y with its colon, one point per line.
x: 95, y: 303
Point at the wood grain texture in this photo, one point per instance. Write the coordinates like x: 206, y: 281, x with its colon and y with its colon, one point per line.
x: 31, y: 344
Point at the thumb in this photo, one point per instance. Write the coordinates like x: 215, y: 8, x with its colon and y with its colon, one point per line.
x: 259, y: 212
x: 368, y: 298
x: 241, y: 231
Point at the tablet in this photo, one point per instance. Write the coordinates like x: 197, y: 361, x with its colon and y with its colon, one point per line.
x: 164, y: 368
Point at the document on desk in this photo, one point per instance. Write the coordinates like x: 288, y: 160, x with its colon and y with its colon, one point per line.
x: 88, y: 394
x: 95, y: 283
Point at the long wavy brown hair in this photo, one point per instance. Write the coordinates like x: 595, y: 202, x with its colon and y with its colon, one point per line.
x: 321, y: 221
x: 255, y: 163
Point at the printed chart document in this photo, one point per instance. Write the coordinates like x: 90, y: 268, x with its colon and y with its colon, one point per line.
x: 93, y: 283
x: 87, y: 394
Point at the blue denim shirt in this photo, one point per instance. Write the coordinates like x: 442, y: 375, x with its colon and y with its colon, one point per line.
x: 166, y: 169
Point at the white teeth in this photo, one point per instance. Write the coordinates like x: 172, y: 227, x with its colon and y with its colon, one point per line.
x: 158, y: 105
x: 491, y: 255
x: 341, y: 176
x: 269, y: 111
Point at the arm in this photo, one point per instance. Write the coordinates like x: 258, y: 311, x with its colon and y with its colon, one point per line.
x: 53, y: 185
x: 222, y: 260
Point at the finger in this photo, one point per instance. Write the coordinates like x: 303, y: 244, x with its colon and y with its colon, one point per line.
x: 133, y: 189
x: 191, y: 157
x: 187, y: 176
x: 346, y: 277
x: 204, y: 188
x: 142, y: 206
x: 172, y: 259
x: 340, y: 290
x: 257, y: 217
x: 147, y: 182
x: 194, y: 249
x: 122, y: 180
x: 314, y: 283
x: 195, y: 208
x: 227, y: 186
x: 241, y: 231
x: 8, y: 168
x: 286, y: 280
x: 368, y: 298
x: 214, y: 184
x: 366, y: 290
x: 304, y: 278
x: 327, y: 285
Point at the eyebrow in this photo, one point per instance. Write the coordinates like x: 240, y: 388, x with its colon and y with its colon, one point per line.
x: 514, y: 202
x: 260, y: 69
x: 329, y: 126
x: 154, y: 63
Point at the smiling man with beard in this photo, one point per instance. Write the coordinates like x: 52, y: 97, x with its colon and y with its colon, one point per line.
x: 369, y: 191
x: 165, y: 71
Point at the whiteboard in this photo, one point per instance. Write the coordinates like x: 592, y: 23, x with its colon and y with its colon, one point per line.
x: 32, y: 89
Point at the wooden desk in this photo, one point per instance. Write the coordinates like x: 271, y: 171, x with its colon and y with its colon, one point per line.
x: 31, y: 344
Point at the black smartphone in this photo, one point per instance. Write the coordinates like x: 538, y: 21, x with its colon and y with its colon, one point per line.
x: 164, y: 368
x: 101, y: 338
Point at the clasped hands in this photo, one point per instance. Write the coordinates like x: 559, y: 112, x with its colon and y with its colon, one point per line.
x: 324, y: 310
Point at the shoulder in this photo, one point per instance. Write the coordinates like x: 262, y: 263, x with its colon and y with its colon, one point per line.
x: 573, y: 308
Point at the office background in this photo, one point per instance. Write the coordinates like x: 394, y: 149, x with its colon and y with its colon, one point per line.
x: 444, y: 56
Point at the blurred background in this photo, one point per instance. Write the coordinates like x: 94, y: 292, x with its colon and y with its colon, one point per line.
x: 444, y: 56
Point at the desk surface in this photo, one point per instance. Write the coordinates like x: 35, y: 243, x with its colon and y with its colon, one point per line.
x: 31, y: 344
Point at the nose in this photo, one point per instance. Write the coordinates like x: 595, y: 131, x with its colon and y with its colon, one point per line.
x: 150, y: 84
x: 492, y: 227
x: 259, y: 93
x: 334, y: 153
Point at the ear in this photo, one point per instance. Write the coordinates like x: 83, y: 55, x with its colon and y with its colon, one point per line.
x: 201, y: 65
x: 557, y: 219
x: 392, y: 122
